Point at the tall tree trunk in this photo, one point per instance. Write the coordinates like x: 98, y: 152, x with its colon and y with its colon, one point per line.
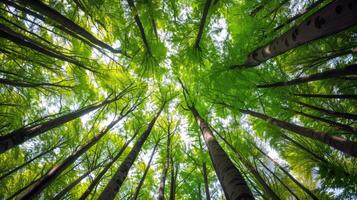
x: 232, y: 182
x: 29, y: 161
x: 120, y: 175
x: 139, y: 24
x: 251, y: 169
x: 346, y: 146
x: 23, y: 134
x: 303, y: 12
x: 317, y: 157
x: 63, y: 192
x: 205, y: 178
x: 202, y: 23
x: 52, y: 174
x: 333, y: 18
x: 284, y: 185
x: 287, y: 173
x: 330, y: 112
x: 49, y: 12
x: 337, y: 125
x: 23, y: 40
x: 26, y: 84
x: 334, y: 73
x: 161, y: 195
x: 97, y: 179
x: 174, y: 173
x: 137, y: 190
x: 327, y: 96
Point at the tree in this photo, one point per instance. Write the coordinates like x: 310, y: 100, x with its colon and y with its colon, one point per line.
x: 333, y: 18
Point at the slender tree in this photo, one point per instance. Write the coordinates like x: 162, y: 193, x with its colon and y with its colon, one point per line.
x: 23, y: 40
x: 337, y: 125
x: 232, y: 182
x: 141, y: 182
x: 23, y: 134
x: 52, y: 174
x: 334, y: 73
x: 63, y: 192
x: 329, y: 112
x: 202, y: 23
x: 346, y: 146
x: 161, y: 194
x: 250, y: 168
x: 120, y: 175
x: 279, y: 179
x: 54, y: 15
x: 97, y: 179
x: 328, y: 96
x: 139, y: 24
x: 205, y: 178
x: 173, y: 179
x: 333, y: 18
x: 287, y: 173
x: 6, y: 174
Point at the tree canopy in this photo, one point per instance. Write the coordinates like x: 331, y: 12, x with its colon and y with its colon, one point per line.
x: 178, y: 99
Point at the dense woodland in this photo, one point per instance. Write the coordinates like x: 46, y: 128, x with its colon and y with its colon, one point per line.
x: 178, y: 99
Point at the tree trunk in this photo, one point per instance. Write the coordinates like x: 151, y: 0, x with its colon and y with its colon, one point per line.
x: 106, y: 168
x: 63, y: 192
x: 137, y: 190
x: 25, y: 84
x: 251, y: 169
x: 303, y: 12
x: 139, y: 24
x: 22, y: 40
x: 333, y: 18
x: 330, y: 112
x: 334, y: 73
x: 346, y: 146
x: 284, y: 185
x: 52, y: 174
x: 23, y: 134
x: 287, y: 174
x: 174, y: 173
x: 333, y: 124
x: 332, y: 96
x: 205, y: 178
x: 29, y: 161
x: 202, y: 23
x: 49, y: 12
x: 117, y: 180
x: 232, y: 182
x: 161, y: 195
x: 317, y: 157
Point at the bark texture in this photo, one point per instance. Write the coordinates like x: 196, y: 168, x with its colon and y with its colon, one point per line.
x: 345, y: 146
x: 232, y: 182
x: 332, y: 18
x: 112, y: 188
